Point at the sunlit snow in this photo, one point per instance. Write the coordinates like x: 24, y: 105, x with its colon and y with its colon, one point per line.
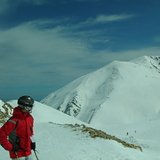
x: 130, y: 92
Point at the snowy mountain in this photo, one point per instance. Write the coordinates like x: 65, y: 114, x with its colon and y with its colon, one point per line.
x: 59, y: 136
x: 41, y: 112
x: 118, y: 93
x: 62, y: 137
x: 115, y: 115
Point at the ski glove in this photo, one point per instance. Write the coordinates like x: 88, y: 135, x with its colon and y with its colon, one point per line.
x: 33, y: 145
x: 15, y: 148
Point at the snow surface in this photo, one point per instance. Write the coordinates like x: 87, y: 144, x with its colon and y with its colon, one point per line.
x: 119, y: 88
x: 128, y: 99
x: 55, y: 141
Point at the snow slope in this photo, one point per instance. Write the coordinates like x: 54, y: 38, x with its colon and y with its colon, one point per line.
x: 121, y: 99
x: 118, y: 93
x: 45, y: 114
x: 57, y: 141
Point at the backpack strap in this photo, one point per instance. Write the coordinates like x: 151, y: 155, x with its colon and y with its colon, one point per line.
x: 15, y: 122
x: 13, y: 135
x: 13, y: 139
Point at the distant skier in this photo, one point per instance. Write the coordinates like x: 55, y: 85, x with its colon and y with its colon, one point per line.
x: 15, y: 134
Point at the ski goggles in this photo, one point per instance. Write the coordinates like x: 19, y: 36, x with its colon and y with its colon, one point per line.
x: 27, y: 107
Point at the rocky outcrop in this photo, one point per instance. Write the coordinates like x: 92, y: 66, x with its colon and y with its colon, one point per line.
x: 5, y: 112
x: 94, y: 133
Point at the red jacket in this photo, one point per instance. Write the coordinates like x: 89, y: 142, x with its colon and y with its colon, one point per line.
x: 22, y: 124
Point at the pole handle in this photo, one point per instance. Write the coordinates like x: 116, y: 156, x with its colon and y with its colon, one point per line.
x: 16, y: 155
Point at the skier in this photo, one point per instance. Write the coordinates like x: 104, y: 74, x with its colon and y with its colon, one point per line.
x: 15, y: 134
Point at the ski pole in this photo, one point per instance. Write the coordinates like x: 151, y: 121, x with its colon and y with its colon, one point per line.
x: 35, y: 154
x: 16, y: 155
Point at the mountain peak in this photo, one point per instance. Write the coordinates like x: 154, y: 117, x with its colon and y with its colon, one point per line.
x: 120, y: 92
x: 149, y: 61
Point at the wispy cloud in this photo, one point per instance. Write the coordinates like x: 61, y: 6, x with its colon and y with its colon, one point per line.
x: 102, y: 19
x: 33, y: 56
x: 32, y: 52
x: 112, y: 18
x: 7, y: 6
x: 47, y: 57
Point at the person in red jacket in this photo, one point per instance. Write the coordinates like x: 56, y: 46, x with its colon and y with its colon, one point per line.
x: 15, y: 134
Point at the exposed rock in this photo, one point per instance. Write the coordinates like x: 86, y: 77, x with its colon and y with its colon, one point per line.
x: 93, y: 133
x: 5, y: 112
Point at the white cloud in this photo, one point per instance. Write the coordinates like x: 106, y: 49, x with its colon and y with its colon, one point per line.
x: 127, y: 55
x: 32, y: 53
x: 112, y: 18
x: 101, y: 19
x: 7, y: 6
x: 33, y: 56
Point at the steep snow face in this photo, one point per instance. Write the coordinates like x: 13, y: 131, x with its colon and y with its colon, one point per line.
x: 74, y: 98
x: 129, y: 91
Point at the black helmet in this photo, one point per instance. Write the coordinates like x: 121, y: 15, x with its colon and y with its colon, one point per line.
x: 25, y: 101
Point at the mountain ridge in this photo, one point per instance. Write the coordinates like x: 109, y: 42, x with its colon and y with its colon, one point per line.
x: 112, y: 90
x: 125, y: 103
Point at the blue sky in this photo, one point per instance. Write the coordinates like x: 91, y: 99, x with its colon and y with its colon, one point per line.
x: 46, y: 44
